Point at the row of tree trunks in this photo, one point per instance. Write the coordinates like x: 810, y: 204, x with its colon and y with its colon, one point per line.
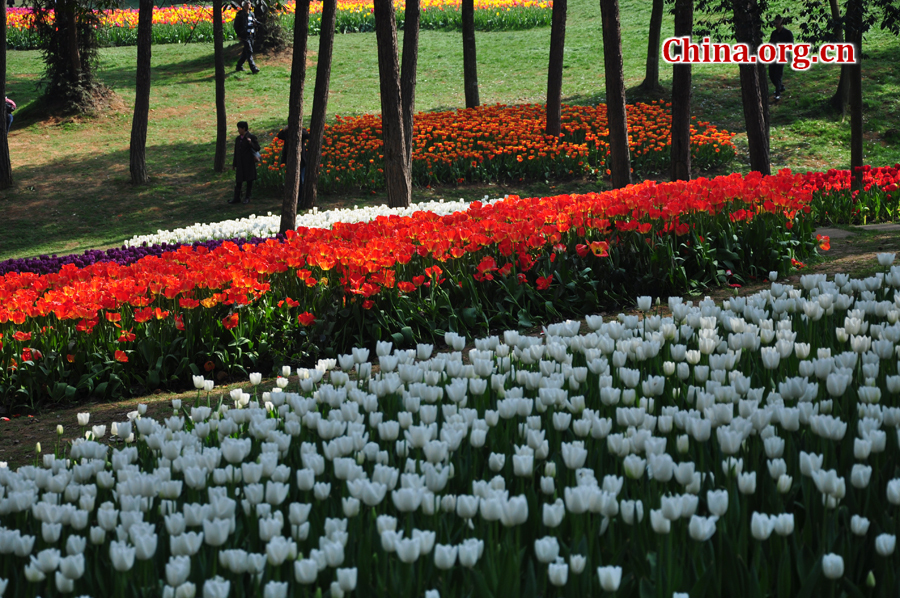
x: 138, y: 147
x: 320, y: 104
x: 294, y: 141
x: 555, y: 69
x: 619, y: 163
x: 681, y: 98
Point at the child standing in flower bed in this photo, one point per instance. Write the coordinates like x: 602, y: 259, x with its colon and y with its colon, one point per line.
x: 246, y: 156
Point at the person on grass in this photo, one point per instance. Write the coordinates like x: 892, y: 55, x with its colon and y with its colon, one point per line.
x: 10, y: 106
x: 245, y: 28
x: 246, y: 157
x: 781, y: 35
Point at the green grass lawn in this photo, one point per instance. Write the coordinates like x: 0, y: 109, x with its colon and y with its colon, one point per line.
x: 72, y: 188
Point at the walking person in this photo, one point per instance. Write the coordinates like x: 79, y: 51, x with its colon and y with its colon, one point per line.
x: 245, y: 27
x: 10, y: 106
x: 781, y: 35
x: 246, y: 157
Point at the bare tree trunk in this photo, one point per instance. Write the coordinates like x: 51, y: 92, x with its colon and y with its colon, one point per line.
x: 320, y: 104
x: 619, y: 153
x: 753, y: 89
x: 651, y: 74
x: 470, y: 65
x: 408, y: 70
x: 854, y: 36
x: 555, y: 69
x: 221, y: 122
x: 754, y: 119
x: 681, y: 98
x: 396, y: 169
x: 6, y: 179
x: 294, y: 141
x: 138, y: 147
x: 841, y: 98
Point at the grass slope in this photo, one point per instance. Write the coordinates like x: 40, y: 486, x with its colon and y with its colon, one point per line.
x: 72, y: 188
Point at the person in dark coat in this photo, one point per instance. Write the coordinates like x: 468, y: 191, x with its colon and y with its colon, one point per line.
x: 246, y: 150
x: 245, y: 28
x: 781, y: 35
x: 10, y: 106
x: 283, y: 135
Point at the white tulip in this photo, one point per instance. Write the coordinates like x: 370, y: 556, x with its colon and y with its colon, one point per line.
x: 610, y: 578
x: 833, y: 566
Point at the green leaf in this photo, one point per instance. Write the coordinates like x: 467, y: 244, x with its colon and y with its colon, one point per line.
x: 784, y: 574
x: 809, y: 584
x: 481, y: 587
x: 524, y: 319
x: 703, y: 584
x: 647, y: 589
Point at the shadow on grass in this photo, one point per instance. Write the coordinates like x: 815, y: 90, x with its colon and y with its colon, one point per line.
x: 195, y: 70
x: 89, y: 202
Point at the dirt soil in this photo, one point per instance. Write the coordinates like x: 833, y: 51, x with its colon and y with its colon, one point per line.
x: 853, y: 250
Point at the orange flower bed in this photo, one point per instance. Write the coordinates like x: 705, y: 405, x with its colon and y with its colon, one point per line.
x: 501, y: 142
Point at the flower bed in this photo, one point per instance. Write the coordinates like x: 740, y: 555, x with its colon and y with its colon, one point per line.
x: 500, y: 143
x: 182, y: 24
x: 47, y: 264
x: 878, y: 201
x: 268, y: 225
x: 746, y: 449
x: 105, y: 328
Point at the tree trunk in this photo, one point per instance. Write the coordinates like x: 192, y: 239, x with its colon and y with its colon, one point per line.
x: 754, y: 119
x: 470, y: 65
x: 66, y: 10
x: 396, y: 169
x: 138, y: 148
x: 619, y: 162
x: 5, y: 164
x: 320, y: 104
x: 295, y: 119
x: 221, y: 122
x: 408, y: 70
x: 555, y: 69
x: 681, y: 98
x: 841, y: 97
x: 753, y: 88
x: 854, y: 71
x: 651, y: 75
